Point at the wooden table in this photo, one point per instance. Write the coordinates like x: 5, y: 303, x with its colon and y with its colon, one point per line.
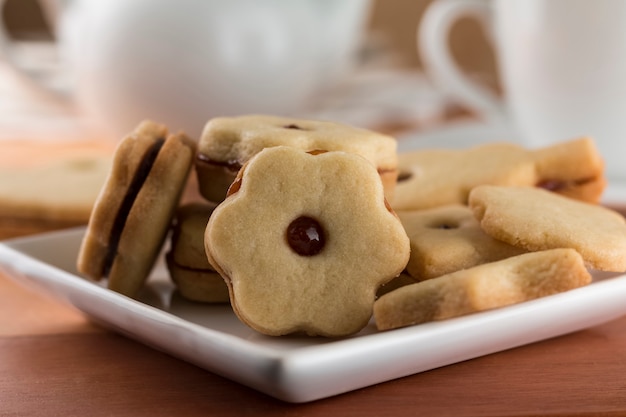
x: 54, y: 362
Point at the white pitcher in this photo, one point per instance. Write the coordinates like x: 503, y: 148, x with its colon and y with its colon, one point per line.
x: 562, y: 66
x: 185, y: 61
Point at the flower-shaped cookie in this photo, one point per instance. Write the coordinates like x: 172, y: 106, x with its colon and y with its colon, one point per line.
x: 304, y: 240
x: 448, y: 238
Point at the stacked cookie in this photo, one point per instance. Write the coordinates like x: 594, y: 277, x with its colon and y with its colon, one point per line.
x: 311, y: 227
x: 133, y: 212
x: 295, y: 232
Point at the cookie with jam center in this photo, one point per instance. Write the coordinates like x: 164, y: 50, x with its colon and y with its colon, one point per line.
x: 435, y: 177
x: 304, y: 241
x: 228, y: 142
x: 135, y: 207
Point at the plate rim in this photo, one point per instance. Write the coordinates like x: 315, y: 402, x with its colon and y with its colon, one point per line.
x: 299, y: 375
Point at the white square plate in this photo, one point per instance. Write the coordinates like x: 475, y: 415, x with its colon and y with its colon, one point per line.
x: 299, y: 369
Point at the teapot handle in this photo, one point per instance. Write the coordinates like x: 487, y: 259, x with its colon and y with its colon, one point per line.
x: 8, y: 57
x: 433, y: 46
x: 5, y: 42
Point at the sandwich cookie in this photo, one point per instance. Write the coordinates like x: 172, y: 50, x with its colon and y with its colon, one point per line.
x: 134, y: 210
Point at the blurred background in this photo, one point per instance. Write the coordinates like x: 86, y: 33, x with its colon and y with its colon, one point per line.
x: 391, y: 101
x: 392, y: 25
x: 387, y: 91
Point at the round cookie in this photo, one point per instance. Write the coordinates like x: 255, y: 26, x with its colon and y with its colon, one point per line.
x: 187, y: 262
x: 228, y: 142
x: 133, y: 212
x: 536, y: 219
x: 491, y: 285
x: 61, y: 191
x: 304, y: 240
x: 448, y: 238
x: 431, y: 178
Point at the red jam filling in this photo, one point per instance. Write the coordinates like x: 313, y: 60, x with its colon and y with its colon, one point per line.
x: 306, y: 236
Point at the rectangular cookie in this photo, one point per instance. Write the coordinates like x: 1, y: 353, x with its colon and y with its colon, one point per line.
x: 492, y: 285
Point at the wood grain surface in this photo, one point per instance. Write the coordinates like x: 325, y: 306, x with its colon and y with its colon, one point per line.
x: 54, y: 362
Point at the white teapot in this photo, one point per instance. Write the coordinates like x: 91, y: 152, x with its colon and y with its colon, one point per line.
x: 182, y: 62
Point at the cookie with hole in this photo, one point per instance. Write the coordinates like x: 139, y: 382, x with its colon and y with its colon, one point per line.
x: 447, y: 239
x: 433, y: 177
x: 304, y: 240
